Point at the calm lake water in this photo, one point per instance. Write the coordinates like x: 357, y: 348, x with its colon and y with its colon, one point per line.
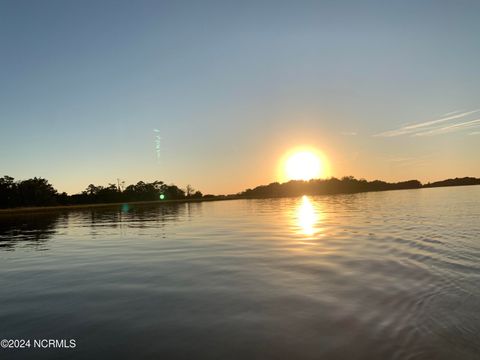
x: 388, y: 275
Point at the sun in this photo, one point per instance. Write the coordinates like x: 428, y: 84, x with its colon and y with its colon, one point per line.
x: 304, y: 164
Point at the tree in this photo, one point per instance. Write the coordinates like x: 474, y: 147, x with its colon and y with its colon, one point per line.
x: 38, y: 192
x: 8, y: 192
x: 35, y: 192
x: 143, y: 191
x: 189, y: 190
x: 92, y: 190
x: 197, y: 195
x: 172, y: 192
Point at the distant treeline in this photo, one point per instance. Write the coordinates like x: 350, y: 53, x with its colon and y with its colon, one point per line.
x: 39, y: 192
x: 344, y: 185
x: 454, y: 182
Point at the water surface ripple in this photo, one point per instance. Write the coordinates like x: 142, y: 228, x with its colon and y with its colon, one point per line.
x: 387, y: 275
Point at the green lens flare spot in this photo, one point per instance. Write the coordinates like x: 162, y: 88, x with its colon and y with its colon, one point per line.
x: 162, y: 196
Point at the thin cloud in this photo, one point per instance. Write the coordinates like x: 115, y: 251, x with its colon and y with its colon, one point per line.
x: 349, y: 133
x: 450, y: 128
x: 475, y: 133
x: 409, y: 129
x: 398, y: 162
x: 451, y: 113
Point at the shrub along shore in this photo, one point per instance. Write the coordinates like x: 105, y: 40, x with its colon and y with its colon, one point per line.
x: 38, y: 194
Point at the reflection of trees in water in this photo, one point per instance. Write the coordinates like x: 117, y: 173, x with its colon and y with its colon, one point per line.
x: 193, y: 208
x: 139, y: 216
x: 34, y: 229
x: 29, y: 230
x: 146, y: 215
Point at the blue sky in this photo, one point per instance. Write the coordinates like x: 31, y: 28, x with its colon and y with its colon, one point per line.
x: 384, y: 89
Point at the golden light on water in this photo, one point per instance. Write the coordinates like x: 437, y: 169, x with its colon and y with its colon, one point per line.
x: 307, y: 217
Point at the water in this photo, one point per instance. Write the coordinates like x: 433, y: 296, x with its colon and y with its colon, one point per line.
x: 388, y: 275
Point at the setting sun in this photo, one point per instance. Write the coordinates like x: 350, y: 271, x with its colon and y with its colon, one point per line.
x: 304, y: 165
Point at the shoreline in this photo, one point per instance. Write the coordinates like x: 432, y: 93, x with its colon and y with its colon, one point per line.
x: 41, y: 209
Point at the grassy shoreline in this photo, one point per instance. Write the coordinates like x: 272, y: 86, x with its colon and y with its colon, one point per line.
x: 40, y: 209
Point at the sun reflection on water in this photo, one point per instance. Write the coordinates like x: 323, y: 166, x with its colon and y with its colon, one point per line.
x: 307, y: 217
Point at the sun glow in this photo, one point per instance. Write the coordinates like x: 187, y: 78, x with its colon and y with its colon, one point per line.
x: 304, y: 164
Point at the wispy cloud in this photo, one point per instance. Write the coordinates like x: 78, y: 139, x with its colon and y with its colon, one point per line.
x: 408, y: 161
x: 349, y: 133
x: 475, y: 133
x: 450, y: 128
x: 431, y: 125
x: 451, y: 113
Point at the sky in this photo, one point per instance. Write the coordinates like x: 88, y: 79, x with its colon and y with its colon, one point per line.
x: 214, y: 93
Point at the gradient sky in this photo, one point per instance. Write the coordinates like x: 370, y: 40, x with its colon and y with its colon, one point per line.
x: 384, y: 89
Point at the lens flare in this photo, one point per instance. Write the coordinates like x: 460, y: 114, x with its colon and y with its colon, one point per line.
x: 157, y: 143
